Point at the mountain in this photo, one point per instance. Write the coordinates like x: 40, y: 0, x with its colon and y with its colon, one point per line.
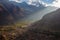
x: 9, y: 12
x: 39, y: 14
x: 17, y: 11
x: 50, y: 22
x: 27, y: 7
x: 5, y: 16
x: 46, y: 28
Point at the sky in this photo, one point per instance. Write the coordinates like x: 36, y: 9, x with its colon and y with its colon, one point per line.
x: 55, y: 3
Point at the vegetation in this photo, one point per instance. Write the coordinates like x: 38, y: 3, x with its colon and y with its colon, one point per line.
x: 10, y: 32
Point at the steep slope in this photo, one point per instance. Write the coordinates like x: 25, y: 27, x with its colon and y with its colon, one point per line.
x: 5, y: 17
x: 49, y: 22
x: 9, y: 13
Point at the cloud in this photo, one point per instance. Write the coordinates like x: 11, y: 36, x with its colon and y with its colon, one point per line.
x: 16, y: 0
x: 56, y: 3
x: 46, y: 3
x: 29, y: 2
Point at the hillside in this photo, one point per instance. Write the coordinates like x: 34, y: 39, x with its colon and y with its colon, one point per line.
x: 48, y: 28
x: 50, y: 22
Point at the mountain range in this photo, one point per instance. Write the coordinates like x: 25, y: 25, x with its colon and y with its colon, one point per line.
x: 16, y: 10
x: 22, y: 11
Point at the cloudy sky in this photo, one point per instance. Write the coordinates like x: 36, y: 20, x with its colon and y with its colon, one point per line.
x: 55, y: 3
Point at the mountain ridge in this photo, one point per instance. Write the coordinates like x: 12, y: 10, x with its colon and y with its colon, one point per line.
x: 49, y: 22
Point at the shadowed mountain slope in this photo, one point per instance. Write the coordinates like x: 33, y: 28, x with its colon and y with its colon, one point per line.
x: 49, y: 22
x: 48, y: 28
